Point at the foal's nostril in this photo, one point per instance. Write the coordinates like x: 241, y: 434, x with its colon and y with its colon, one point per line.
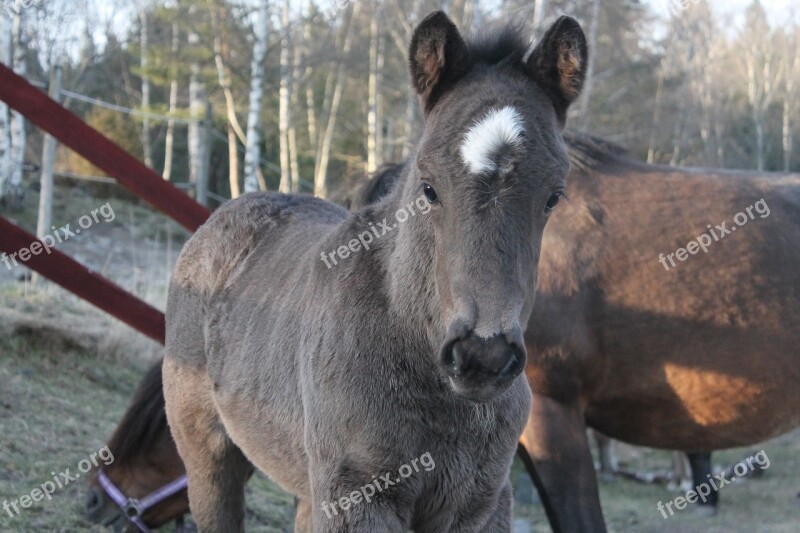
x: 475, y: 356
x: 515, y: 360
x: 94, y: 502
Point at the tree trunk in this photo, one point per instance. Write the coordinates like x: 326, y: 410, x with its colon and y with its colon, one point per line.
x: 173, y: 105
x: 789, y: 102
x: 321, y: 177
x: 539, y: 7
x: 651, y: 145
x: 589, y: 84
x: 788, y: 138
x: 410, y: 118
x: 17, y: 120
x: 372, y: 113
x: 219, y: 15
x: 48, y: 162
x: 148, y: 153
x: 253, y: 153
x: 284, y: 97
x: 197, y: 106
x: 5, y: 117
x: 297, y: 75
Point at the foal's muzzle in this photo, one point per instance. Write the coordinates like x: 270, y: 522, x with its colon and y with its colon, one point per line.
x: 482, y: 369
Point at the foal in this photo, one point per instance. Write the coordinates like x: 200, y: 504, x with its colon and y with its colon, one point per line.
x: 332, y: 350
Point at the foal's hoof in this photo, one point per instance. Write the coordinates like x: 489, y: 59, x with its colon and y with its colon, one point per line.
x: 705, y: 511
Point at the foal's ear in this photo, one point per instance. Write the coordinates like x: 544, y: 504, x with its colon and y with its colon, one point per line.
x: 438, y: 57
x: 559, y: 63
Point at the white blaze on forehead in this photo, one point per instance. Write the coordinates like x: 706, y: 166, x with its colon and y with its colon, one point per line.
x: 499, y: 128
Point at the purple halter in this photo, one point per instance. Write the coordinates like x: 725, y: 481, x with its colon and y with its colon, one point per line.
x: 134, y: 508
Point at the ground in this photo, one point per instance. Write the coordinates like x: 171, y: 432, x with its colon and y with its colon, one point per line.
x: 67, y: 373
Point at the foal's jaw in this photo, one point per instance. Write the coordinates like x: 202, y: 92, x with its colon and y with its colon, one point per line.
x: 492, y: 162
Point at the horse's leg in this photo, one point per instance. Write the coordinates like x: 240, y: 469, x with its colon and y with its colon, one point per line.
x: 561, y: 465
x: 302, y: 516
x: 217, y: 470
x: 700, y: 463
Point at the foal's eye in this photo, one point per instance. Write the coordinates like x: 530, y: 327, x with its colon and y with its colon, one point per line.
x: 429, y: 193
x: 553, y: 201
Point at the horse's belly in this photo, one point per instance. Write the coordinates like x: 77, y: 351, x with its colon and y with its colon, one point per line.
x: 697, y: 409
x: 270, y: 437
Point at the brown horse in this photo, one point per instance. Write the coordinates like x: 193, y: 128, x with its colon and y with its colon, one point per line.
x: 145, y: 462
x: 650, y: 340
x: 282, y: 357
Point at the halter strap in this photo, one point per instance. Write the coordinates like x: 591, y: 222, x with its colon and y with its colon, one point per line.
x: 134, y: 508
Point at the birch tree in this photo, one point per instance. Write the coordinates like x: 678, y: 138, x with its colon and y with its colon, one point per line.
x: 375, y: 64
x: 19, y: 48
x: 792, y: 72
x: 144, y: 45
x: 321, y: 175
x: 197, y: 105
x: 583, y: 110
x: 284, y: 97
x: 219, y: 15
x: 169, y: 139
x: 253, y: 152
x: 539, y: 7
x: 761, y: 73
x: 300, y: 45
x: 5, y: 117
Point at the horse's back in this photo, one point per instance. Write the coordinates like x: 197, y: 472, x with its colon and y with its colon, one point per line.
x: 224, y: 247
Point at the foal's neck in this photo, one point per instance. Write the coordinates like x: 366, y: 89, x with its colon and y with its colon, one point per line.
x: 408, y: 257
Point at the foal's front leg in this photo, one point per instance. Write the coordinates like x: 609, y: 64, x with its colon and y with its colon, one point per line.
x: 500, y: 521
x: 339, y: 505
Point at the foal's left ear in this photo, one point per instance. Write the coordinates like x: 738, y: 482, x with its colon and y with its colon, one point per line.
x: 438, y: 57
x: 559, y: 63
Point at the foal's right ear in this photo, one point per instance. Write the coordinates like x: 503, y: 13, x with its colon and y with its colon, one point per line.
x: 438, y: 57
x: 559, y: 63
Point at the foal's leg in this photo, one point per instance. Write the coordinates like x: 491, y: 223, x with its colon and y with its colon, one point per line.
x: 335, y: 507
x: 302, y: 516
x: 216, y: 468
x: 500, y: 521
x: 561, y: 465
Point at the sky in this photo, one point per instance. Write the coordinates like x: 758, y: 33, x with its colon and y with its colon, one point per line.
x: 778, y: 10
x: 731, y: 11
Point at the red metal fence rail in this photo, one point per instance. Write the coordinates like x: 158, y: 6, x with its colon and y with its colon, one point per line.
x: 98, y: 149
x: 72, y: 132
x: 84, y: 283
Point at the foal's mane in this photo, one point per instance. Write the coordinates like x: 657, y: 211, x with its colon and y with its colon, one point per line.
x: 143, y: 422
x: 493, y: 45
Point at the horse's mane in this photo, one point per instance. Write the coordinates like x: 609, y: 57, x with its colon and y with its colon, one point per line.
x: 143, y: 422
x: 587, y: 152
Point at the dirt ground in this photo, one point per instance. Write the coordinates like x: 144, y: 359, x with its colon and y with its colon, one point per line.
x: 67, y: 373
